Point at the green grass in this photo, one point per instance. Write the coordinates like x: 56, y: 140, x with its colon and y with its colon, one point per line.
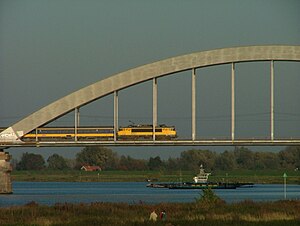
x: 255, y: 176
x: 102, y: 176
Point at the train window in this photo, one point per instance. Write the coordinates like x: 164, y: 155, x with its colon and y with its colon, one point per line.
x: 138, y: 130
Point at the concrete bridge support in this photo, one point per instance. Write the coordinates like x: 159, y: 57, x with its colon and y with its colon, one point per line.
x: 5, y: 170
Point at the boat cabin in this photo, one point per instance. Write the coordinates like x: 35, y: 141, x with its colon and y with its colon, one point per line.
x: 202, y: 177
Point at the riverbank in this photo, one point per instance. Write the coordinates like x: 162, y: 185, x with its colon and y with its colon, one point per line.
x: 254, y: 176
x: 197, y: 213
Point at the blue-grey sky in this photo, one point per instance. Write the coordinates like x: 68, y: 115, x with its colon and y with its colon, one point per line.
x: 51, y: 48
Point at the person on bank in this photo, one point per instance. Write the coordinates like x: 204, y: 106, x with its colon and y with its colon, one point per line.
x: 153, y: 216
x: 163, y: 215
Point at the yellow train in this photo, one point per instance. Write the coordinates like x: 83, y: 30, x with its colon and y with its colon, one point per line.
x: 139, y: 132
x: 162, y: 132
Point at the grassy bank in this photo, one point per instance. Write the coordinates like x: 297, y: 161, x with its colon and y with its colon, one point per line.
x: 255, y: 176
x: 198, y: 213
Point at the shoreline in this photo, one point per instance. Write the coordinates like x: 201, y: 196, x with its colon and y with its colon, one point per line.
x: 256, y: 177
x: 203, y: 212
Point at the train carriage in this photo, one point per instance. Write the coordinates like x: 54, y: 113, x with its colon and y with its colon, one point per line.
x: 68, y: 133
x: 132, y: 132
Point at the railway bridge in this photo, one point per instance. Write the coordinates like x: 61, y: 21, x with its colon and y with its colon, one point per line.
x: 14, y: 135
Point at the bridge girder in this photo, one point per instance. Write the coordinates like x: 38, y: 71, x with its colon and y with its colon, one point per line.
x: 144, y: 73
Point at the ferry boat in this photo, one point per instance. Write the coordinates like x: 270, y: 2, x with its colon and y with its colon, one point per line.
x: 199, y: 182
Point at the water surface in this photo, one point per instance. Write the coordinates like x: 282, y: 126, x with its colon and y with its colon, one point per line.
x: 49, y: 193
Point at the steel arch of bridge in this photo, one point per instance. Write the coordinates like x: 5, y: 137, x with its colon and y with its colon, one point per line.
x: 113, y: 84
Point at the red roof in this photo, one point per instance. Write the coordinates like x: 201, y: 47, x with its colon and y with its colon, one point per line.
x: 91, y: 168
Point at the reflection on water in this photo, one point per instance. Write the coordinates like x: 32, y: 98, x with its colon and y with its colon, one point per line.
x: 49, y: 193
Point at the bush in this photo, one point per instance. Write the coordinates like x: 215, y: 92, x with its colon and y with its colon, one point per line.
x: 208, y: 198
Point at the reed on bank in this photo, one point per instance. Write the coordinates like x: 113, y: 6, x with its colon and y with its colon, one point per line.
x: 200, y: 212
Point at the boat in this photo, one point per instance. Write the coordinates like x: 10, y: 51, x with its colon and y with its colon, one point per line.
x: 200, y: 181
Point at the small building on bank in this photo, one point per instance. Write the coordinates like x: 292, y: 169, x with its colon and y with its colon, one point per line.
x: 90, y: 168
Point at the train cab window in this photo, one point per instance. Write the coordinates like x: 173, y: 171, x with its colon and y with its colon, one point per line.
x: 142, y: 130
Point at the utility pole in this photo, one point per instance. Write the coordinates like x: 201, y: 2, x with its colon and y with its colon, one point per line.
x: 284, y: 184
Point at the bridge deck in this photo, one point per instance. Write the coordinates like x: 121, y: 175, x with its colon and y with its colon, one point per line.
x: 206, y: 142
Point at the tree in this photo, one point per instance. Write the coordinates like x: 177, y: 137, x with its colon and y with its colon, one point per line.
x: 56, y: 161
x: 173, y: 164
x: 244, y: 158
x: 192, y: 159
x: 155, y: 163
x: 30, y: 161
x: 266, y: 160
x: 225, y: 161
x: 98, y: 156
x: 290, y: 157
x: 129, y: 163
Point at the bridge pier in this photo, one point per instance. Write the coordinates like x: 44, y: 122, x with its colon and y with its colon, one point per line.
x: 5, y: 170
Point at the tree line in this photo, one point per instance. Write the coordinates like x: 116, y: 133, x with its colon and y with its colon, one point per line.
x: 107, y: 159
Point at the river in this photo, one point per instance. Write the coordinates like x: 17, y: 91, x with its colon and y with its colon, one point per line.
x: 49, y: 193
